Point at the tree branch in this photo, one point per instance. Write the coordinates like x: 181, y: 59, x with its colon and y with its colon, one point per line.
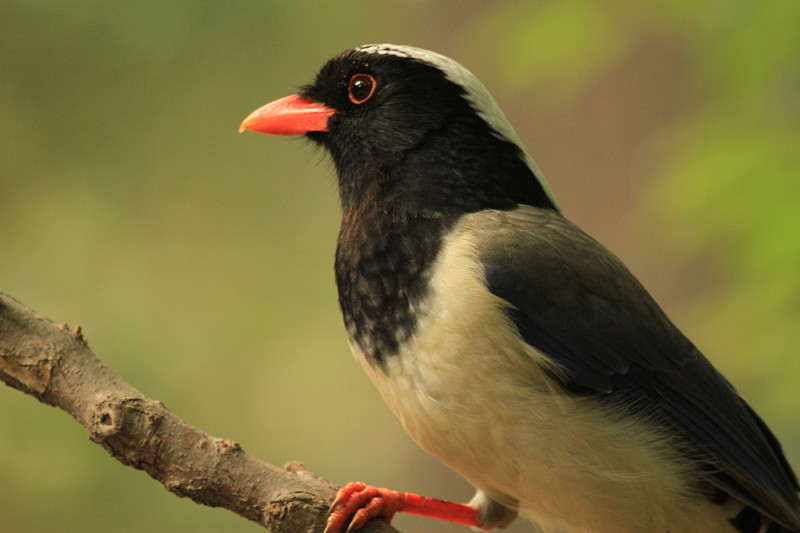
x: 56, y: 366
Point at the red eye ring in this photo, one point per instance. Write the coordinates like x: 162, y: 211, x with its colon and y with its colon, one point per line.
x: 361, y: 88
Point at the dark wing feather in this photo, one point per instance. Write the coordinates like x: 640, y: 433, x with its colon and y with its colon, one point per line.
x: 577, y: 303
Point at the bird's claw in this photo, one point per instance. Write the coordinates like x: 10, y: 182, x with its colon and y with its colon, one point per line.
x: 360, y: 503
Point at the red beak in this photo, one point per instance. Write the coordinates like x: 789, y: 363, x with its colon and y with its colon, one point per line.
x: 291, y: 115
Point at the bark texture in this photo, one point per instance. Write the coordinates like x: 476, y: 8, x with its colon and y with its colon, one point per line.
x: 55, y: 365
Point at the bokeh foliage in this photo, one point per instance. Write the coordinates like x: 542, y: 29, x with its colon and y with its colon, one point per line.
x: 199, y: 261
x: 733, y: 189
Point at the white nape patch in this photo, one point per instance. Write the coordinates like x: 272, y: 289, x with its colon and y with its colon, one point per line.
x: 477, y: 94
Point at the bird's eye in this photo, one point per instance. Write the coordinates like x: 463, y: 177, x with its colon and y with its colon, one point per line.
x: 360, y: 88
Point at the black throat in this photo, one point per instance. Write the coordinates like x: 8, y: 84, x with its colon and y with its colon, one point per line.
x: 393, y: 229
x: 383, y: 264
x: 401, y: 192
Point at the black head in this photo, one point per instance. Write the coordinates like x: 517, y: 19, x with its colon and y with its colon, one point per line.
x: 417, y: 142
x: 417, y: 133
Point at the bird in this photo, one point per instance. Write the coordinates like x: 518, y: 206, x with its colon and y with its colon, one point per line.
x: 511, y: 345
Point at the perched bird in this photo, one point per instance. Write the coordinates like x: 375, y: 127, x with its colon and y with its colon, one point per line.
x: 510, y: 344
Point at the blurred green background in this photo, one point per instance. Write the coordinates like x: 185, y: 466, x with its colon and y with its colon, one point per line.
x: 199, y: 261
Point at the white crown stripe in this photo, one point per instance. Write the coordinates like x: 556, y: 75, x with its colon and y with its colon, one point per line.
x: 476, y: 93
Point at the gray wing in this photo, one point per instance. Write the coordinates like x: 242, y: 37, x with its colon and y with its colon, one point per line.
x: 578, y: 304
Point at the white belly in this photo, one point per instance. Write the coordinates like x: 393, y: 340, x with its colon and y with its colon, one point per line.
x: 474, y: 395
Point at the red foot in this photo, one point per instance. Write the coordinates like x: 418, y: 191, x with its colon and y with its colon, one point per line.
x: 360, y: 502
